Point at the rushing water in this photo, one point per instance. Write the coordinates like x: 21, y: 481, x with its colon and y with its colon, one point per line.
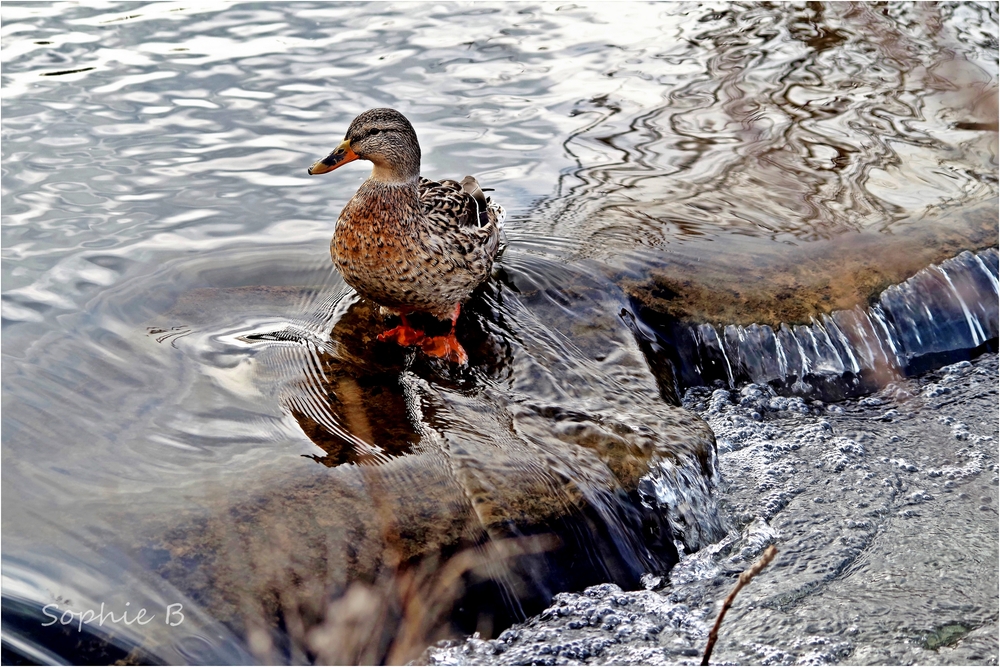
x: 194, y: 410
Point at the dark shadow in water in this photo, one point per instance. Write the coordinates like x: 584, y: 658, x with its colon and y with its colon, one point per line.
x: 360, y: 385
x: 42, y: 642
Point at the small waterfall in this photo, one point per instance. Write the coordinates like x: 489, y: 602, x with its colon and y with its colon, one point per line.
x: 944, y: 313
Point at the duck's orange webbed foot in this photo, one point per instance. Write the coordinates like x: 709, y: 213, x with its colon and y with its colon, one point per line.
x: 442, y: 347
x: 403, y: 335
x: 447, y: 346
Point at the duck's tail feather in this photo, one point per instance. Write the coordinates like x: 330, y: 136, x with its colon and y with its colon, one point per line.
x: 498, y: 211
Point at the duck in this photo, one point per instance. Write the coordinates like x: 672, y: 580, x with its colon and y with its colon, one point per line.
x: 408, y: 243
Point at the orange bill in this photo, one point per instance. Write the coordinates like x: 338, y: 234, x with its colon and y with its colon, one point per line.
x: 339, y: 157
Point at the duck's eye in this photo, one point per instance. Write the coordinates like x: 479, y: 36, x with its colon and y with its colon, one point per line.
x: 372, y: 132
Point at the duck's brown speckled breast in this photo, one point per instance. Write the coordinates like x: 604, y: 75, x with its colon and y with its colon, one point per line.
x: 386, y: 249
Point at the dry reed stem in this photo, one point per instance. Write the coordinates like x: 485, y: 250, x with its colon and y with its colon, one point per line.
x: 426, y: 599
x: 423, y: 594
x: 745, y: 577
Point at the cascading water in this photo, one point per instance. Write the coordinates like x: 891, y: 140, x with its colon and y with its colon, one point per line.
x: 944, y: 313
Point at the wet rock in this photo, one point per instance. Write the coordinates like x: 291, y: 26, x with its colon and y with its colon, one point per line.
x: 864, y: 525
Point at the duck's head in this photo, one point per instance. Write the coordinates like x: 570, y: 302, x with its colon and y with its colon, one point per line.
x: 383, y: 137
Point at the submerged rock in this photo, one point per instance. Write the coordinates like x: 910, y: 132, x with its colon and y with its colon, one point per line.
x: 758, y: 282
x: 521, y: 475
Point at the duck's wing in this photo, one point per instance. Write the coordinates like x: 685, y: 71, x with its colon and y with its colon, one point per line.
x: 462, y: 216
x: 465, y: 227
x: 449, y: 203
x: 446, y: 204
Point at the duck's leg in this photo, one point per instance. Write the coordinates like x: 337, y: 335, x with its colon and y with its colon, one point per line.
x: 447, y: 346
x: 403, y: 334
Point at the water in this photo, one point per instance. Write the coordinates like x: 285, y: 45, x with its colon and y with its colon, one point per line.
x: 183, y: 370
